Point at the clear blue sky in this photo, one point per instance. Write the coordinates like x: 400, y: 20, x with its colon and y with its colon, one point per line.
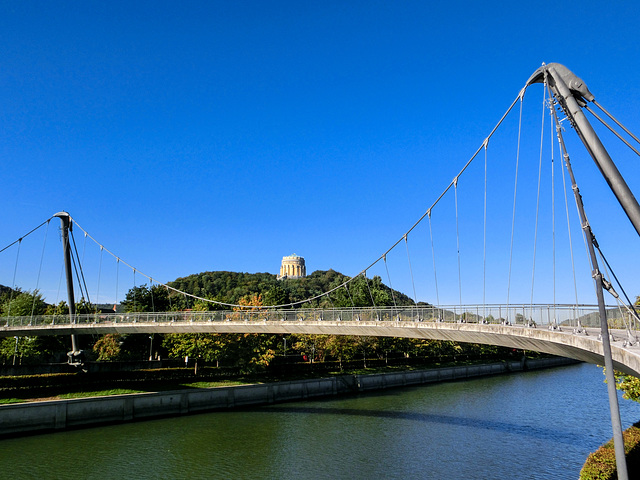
x: 203, y: 135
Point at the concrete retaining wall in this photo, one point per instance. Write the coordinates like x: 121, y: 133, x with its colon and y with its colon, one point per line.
x: 54, y: 415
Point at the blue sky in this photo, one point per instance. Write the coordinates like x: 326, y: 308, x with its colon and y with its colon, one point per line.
x: 195, y: 136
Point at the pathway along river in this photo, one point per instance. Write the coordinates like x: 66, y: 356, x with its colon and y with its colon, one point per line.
x: 539, y: 424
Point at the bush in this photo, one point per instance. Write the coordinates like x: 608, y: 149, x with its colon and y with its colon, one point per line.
x: 601, y: 464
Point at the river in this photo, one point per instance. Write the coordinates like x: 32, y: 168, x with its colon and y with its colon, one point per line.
x: 539, y: 424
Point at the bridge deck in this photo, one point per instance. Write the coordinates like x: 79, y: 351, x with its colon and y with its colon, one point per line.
x: 567, y: 341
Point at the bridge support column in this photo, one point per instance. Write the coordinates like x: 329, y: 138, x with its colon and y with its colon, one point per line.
x: 571, y: 107
x: 75, y: 354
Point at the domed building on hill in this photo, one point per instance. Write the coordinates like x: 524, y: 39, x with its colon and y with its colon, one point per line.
x: 292, y: 267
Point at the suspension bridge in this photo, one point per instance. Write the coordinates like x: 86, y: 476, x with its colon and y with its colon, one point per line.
x: 596, y: 333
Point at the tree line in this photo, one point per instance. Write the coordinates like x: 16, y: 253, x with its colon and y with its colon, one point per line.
x: 249, y: 352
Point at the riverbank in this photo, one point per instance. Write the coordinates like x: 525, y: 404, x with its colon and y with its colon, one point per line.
x: 55, y: 415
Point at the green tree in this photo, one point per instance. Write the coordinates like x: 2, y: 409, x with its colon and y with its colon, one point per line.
x: 276, y: 295
x: 341, y: 347
x: 108, y: 347
x: 60, y: 309
x: 32, y: 349
x: 23, y: 304
x: 629, y: 385
x: 311, y: 346
x: 210, y: 347
x: 144, y: 299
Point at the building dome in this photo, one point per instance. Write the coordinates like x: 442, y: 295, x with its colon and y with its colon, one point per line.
x: 292, y: 267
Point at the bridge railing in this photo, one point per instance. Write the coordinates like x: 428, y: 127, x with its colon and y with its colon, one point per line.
x: 570, y: 316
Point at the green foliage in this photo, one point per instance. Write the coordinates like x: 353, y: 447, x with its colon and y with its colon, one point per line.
x: 27, y: 349
x: 108, y: 347
x: 22, y: 304
x: 144, y: 299
x: 629, y: 385
x: 61, y: 309
x: 276, y: 295
x: 31, y: 349
x: 85, y: 307
x: 246, y: 350
x: 601, y: 464
x: 209, y: 346
x: 230, y: 287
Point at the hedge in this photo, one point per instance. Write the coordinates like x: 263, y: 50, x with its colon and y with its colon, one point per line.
x: 601, y: 464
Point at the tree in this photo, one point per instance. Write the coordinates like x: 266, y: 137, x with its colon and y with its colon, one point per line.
x: 276, y: 295
x: 311, y: 346
x: 249, y: 351
x: 108, y: 347
x: 23, y: 304
x: 85, y: 307
x: 144, y: 299
x: 341, y: 347
x: 32, y: 349
x: 629, y: 385
x: 60, y: 309
x: 249, y: 302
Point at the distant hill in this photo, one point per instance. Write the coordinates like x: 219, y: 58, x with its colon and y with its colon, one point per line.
x: 593, y: 319
x: 230, y: 287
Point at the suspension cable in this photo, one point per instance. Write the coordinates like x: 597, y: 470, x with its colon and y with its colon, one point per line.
x: 381, y: 257
x: 117, y: 279
x: 576, y: 195
x: 134, y: 289
x: 349, y: 293
x: 331, y: 301
x: 84, y: 248
x: 13, y: 282
x: 433, y: 256
x: 520, y: 95
x: 617, y: 122
x: 535, y: 235
x: 74, y: 263
x: 455, y: 190
x: 44, y: 244
x: 81, y: 280
x: 99, y: 275
x: 26, y: 235
x: 389, y: 277
x: 415, y: 297
x: 629, y: 303
x: 613, y: 131
x: 373, y: 302
x: 632, y: 314
x: 513, y: 217
x: 558, y: 127
x: 553, y: 205
x: 484, y: 235
x: 196, y: 297
x: 153, y: 305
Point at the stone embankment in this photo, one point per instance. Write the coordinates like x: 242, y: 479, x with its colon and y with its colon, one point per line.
x: 35, y: 417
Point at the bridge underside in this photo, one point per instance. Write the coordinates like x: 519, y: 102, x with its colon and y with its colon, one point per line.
x: 584, y: 346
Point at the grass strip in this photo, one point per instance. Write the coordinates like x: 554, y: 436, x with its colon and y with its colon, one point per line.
x: 98, y: 393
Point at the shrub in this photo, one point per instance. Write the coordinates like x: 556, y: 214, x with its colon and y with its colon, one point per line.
x: 601, y: 464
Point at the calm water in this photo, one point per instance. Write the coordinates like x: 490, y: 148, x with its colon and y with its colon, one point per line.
x: 534, y: 425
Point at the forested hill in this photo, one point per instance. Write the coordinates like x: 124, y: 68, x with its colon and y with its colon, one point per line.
x: 232, y: 287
